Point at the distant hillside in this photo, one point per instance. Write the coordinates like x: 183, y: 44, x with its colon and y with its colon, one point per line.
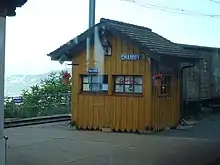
x: 16, y: 83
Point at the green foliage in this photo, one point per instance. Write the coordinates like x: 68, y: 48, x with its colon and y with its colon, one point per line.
x: 48, y: 97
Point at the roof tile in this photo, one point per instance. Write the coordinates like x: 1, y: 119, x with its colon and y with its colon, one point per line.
x: 142, y: 36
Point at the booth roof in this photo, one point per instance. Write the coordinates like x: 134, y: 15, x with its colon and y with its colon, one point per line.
x: 144, y: 38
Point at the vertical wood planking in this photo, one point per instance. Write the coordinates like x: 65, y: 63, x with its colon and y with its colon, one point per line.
x: 165, y: 110
x: 122, y: 112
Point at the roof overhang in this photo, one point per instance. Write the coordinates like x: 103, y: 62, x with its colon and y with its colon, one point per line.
x: 69, y: 48
x: 191, y: 60
x: 197, y: 47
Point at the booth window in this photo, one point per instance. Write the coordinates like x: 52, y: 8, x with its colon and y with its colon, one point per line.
x: 94, y: 83
x: 128, y: 84
x: 165, y: 88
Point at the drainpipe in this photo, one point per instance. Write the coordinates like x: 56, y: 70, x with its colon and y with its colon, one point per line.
x: 181, y: 88
x: 91, y: 24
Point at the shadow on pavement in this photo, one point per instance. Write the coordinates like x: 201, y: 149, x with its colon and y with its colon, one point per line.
x: 208, y: 151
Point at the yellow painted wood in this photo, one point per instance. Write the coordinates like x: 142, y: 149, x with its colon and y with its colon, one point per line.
x: 166, y: 110
x: 122, y: 112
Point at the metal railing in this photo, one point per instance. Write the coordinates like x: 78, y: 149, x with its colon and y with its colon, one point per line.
x: 36, y: 120
x: 39, y: 109
x: 39, y: 105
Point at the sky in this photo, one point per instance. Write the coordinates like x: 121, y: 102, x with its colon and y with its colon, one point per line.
x: 41, y: 26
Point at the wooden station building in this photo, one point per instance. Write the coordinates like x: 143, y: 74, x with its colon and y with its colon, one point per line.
x: 129, y: 81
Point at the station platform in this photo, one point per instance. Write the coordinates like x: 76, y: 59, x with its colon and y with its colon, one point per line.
x: 59, y: 144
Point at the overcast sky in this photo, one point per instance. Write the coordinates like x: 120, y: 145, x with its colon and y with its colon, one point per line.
x: 43, y: 25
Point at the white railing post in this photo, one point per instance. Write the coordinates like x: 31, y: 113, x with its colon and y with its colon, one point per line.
x: 6, y: 149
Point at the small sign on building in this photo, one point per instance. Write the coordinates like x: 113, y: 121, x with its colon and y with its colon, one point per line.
x: 93, y: 70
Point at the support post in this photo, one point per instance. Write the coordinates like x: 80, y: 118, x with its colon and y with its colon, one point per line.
x: 91, y: 13
x: 91, y: 24
x: 6, y: 9
x: 2, y: 82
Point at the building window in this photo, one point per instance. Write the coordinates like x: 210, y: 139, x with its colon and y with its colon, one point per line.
x: 94, y: 83
x: 165, y: 88
x: 128, y: 84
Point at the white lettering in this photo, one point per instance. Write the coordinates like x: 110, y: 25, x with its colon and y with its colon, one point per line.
x: 130, y: 57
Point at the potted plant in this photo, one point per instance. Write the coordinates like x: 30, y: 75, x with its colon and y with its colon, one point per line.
x: 157, y: 79
x: 65, y: 77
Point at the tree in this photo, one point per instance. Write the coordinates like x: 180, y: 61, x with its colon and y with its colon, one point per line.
x: 48, y: 97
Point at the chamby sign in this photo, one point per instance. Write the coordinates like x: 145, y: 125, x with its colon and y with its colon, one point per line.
x: 130, y: 57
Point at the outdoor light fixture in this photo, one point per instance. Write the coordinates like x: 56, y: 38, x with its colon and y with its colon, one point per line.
x: 63, y: 58
x: 105, y: 43
x: 107, y: 48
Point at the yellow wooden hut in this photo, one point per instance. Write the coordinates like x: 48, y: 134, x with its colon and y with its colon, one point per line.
x: 129, y: 79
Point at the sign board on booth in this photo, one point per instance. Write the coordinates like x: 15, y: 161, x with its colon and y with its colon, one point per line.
x: 93, y: 70
x: 130, y: 57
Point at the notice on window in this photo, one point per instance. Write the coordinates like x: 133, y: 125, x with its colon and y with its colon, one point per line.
x: 105, y: 87
x: 86, y: 87
x: 85, y: 79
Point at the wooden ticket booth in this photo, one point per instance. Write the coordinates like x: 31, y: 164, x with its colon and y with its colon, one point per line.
x: 129, y: 82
